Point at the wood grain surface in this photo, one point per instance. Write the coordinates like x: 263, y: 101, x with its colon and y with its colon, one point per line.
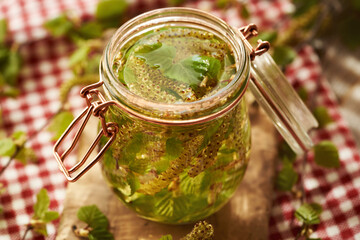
x: 245, y: 216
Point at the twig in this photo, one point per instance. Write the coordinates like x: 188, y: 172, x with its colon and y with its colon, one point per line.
x: 28, y: 228
x: 19, y: 148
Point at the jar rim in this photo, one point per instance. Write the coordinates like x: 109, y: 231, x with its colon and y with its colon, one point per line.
x: 184, y: 113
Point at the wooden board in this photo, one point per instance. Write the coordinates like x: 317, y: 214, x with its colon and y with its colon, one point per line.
x: 244, y: 217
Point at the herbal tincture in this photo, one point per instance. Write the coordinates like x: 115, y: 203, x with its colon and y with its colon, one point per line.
x: 174, y: 65
x: 176, y: 174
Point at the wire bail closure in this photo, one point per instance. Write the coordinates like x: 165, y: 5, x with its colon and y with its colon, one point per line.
x: 96, y: 108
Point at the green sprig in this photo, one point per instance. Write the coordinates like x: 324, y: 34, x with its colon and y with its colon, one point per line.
x: 97, y: 224
x: 42, y: 215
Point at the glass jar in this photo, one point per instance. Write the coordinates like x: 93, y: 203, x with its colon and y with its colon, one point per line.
x: 181, y: 162
x: 187, y: 166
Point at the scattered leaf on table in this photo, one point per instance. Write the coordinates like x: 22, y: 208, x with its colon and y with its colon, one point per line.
x: 3, y: 31
x: 19, y: 138
x: 26, y: 155
x: 7, y: 147
x: 309, y: 213
x: 322, y: 116
x: 80, y: 55
x: 286, y: 153
x: 166, y: 237
x: 59, y: 124
x: 59, y: 26
x: 326, y: 154
x: 90, y: 30
x: 97, y: 223
x: 109, y: 12
x: 283, y: 55
x: 42, y: 204
x: 93, y: 217
x: 286, y: 178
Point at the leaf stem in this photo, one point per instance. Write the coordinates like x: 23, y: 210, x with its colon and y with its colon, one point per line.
x: 28, y: 228
x: 302, y: 178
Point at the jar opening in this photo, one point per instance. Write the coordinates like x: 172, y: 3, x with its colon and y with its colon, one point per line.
x: 209, y: 106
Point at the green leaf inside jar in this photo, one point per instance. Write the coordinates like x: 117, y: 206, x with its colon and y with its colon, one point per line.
x: 175, y: 64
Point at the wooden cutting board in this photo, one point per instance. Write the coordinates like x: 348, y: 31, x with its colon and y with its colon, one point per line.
x: 244, y: 217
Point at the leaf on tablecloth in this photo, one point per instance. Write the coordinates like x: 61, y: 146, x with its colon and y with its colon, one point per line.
x: 97, y: 222
x: 41, y: 214
x: 309, y: 213
x: 322, y: 116
x: 326, y: 154
x: 166, y: 237
x: 286, y: 178
x: 59, y: 124
x: 7, y: 147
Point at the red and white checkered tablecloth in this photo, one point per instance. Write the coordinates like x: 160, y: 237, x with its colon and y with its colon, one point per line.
x: 45, y: 68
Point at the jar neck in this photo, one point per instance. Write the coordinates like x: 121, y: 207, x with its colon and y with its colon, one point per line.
x: 186, y: 113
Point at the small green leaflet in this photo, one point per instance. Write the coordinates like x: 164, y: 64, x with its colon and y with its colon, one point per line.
x: 93, y: 217
x: 95, y: 220
x: 129, y: 76
x: 2, y: 190
x: 162, y: 57
x: 192, y: 70
x: 133, y: 182
x: 12, y: 67
x: 174, y: 147
x: 90, y: 30
x: 41, y: 213
x: 286, y: 153
x: 50, y: 216
x: 100, y: 234
x: 309, y: 213
x: 7, y: 147
x: 172, y: 207
x: 59, y: 124
x: 189, y: 185
x: 147, y: 47
x: 166, y: 237
x: 283, y: 55
x: 303, y: 94
x: 42, y: 204
x: 269, y: 36
x: 132, y: 148
x: 110, y: 12
x: 59, y: 26
x: 244, y: 12
x: 210, y: 131
x: 19, y: 137
x: 286, y: 178
x: 326, y: 154
x: 206, y: 65
x: 3, y: 31
x: 26, y: 155
x: 303, y: 6
x: 322, y: 116
x: 80, y: 55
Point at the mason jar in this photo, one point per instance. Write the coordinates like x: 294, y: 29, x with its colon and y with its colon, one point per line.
x: 175, y: 161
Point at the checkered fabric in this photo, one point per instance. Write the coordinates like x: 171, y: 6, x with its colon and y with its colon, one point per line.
x: 45, y: 68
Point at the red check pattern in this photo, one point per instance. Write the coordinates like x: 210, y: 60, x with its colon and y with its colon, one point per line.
x: 45, y: 68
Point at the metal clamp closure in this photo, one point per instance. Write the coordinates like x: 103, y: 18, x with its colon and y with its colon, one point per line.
x: 97, y: 106
x: 248, y: 32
